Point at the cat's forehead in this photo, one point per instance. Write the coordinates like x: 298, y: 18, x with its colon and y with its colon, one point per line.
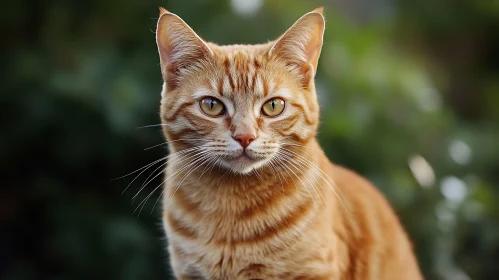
x: 242, y: 72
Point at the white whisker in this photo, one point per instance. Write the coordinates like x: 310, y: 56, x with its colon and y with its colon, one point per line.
x: 289, y: 160
x: 153, y: 125
x: 146, y: 166
x: 202, y: 160
x: 197, y: 156
x: 158, y: 186
x: 323, y: 175
x: 272, y: 165
x: 165, y: 163
x: 209, y: 166
x: 172, y: 141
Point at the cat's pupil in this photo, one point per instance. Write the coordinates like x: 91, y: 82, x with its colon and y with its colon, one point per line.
x: 211, y: 104
x: 273, y: 104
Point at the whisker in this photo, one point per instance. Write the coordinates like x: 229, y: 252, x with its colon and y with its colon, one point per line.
x: 289, y: 160
x: 153, y: 125
x: 186, y: 165
x: 157, y: 145
x: 271, y: 162
x: 307, y: 176
x: 171, y: 141
x: 129, y: 184
x: 183, y: 152
x: 323, y: 175
x: 256, y: 173
x: 152, y: 163
x: 285, y: 168
x: 225, y: 173
x: 216, y: 163
x: 209, y: 166
x: 202, y: 159
x: 303, y: 183
x: 180, y: 159
x: 164, y: 158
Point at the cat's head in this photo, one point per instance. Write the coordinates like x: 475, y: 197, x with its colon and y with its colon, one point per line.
x: 239, y: 105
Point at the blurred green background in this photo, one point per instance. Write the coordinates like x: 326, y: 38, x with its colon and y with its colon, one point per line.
x: 409, y: 93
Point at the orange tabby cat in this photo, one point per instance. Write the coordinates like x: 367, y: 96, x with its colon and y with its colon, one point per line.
x: 249, y: 193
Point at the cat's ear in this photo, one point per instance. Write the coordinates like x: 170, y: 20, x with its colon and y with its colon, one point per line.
x: 300, y: 46
x: 180, y: 48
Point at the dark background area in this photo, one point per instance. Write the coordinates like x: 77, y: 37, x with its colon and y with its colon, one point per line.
x: 410, y: 99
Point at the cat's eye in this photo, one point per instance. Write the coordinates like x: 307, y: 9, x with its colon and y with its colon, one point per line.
x: 273, y: 107
x: 212, y: 106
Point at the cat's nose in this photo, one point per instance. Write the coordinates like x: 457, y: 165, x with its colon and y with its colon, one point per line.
x: 244, y: 139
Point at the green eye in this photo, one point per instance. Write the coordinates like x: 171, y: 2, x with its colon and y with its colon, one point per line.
x: 273, y: 107
x: 212, y: 106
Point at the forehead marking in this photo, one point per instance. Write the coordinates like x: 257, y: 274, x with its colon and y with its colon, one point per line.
x: 227, y: 85
x: 220, y: 86
x: 259, y: 87
x: 243, y: 74
x: 228, y: 76
x: 265, y: 88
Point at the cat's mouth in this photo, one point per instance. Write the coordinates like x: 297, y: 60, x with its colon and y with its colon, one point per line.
x: 243, y: 163
x: 243, y: 158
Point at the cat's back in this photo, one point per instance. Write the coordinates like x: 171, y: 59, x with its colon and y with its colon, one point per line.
x: 375, y: 244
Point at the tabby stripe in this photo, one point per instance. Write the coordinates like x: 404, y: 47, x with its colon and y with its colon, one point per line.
x: 220, y: 86
x: 280, y: 227
x: 265, y: 87
x: 291, y: 121
x: 265, y: 205
x: 256, y: 63
x: 177, y: 226
x: 307, y: 117
x: 228, y: 74
x: 175, y: 114
x: 185, y: 204
x: 253, y: 81
x: 244, y: 82
x: 203, y: 127
x: 186, y: 131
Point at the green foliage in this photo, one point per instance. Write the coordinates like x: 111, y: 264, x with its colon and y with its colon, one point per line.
x: 410, y: 99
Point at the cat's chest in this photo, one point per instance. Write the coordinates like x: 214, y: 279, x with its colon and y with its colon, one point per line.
x: 260, y: 261
x: 226, y: 261
x: 236, y: 227
x: 227, y: 248
x: 243, y: 239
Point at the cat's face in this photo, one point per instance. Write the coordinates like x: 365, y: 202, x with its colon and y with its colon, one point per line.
x: 239, y: 106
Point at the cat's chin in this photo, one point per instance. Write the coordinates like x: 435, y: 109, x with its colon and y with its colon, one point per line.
x: 243, y: 164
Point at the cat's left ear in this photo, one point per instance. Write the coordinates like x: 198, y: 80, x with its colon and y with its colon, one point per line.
x: 180, y: 48
x: 300, y: 46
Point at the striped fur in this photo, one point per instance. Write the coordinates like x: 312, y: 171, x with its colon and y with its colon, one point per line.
x: 283, y: 211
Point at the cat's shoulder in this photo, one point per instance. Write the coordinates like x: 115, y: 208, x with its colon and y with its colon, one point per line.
x: 344, y: 175
x: 354, y: 185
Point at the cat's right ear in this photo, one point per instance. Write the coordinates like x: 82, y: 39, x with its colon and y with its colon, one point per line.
x: 300, y: 46
x: 180, y: 48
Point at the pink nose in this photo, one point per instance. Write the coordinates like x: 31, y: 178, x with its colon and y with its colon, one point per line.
x: 244, y: 139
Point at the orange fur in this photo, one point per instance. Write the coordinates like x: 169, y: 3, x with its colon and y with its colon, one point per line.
x: 278, y: 209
